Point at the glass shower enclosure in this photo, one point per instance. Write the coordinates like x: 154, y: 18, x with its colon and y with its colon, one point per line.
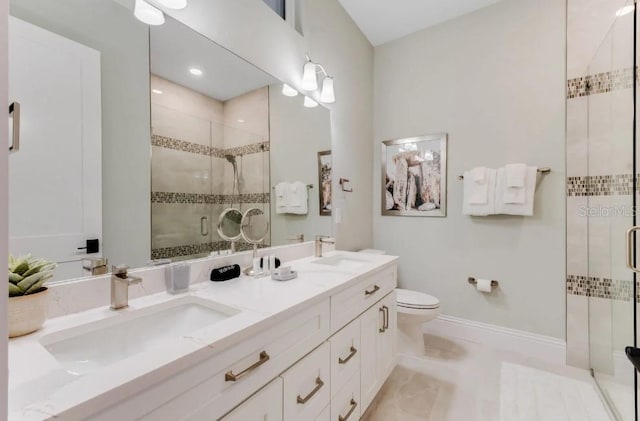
x: 609, y: 211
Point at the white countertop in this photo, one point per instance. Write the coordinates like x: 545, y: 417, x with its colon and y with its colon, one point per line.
x: 40, y: 388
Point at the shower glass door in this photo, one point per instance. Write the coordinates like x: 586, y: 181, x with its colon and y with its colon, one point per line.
x: 610, y: 211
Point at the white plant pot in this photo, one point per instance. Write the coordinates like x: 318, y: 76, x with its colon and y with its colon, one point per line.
x: 27, y: 313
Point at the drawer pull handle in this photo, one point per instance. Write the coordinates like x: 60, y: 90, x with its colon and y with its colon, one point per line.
x: 375, y: 289
x: 230, y: 377
x: 386, y: 317
x: 354, y: 404
x: 353, y: 352
x: 319, y: 384
x: 384, y: 320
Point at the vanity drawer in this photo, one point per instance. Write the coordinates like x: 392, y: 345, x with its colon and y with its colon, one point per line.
x: 350, y: 303
x: 307, y: 386
x: 325, y: 415
x: 223, y: 381
x: 345, y: 405
x: 264, y: 405
x: 345, y: 355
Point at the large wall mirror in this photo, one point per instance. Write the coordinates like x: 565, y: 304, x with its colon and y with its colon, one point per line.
x: 152, y: 141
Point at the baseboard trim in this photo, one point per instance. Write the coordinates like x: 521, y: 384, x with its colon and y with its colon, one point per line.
x: 544, y: 348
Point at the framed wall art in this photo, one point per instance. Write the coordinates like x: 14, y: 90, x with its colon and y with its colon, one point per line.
x: 414, y: 176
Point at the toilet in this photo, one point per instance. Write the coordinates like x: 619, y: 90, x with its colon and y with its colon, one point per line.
x: 414, y: 309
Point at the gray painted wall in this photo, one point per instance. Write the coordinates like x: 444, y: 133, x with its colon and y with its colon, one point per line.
x: 494, y: 80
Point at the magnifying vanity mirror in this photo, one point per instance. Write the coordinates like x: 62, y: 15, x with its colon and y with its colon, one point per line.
x: 229, y: 226
x: 223, y: 139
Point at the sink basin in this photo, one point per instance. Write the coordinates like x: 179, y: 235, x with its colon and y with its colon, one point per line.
x: 340, y: 261
x: 91, y: 346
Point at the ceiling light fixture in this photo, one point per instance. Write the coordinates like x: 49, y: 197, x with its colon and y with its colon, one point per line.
x: 195, y: 71
x: 147, y: 13
x: 240, y: 120
x: 157, y: 91
x: 328, y: 95
x: 288, y: 91
x: 309, y: 103
x: 173, y: 4
x: 625, y: 10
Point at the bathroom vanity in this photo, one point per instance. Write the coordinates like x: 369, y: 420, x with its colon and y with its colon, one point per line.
x: 318, y: 347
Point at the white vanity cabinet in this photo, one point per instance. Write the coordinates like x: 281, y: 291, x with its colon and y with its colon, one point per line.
x: 378, y: 327
x: 266, y: 405
x: 325, y: 362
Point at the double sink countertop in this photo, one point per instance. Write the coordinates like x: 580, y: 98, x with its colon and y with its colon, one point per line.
x: 41, y: 386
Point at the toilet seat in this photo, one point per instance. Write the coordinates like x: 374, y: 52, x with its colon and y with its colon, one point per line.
x: 416, y: 300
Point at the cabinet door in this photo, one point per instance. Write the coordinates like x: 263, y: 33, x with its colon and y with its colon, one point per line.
x: 371, y: 322
x: 387, y: 339
x: 266, y: 405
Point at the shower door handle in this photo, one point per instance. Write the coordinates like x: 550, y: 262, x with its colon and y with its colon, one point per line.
x: 204, y: 226
x: 630, y: 250
x: 633, y: 354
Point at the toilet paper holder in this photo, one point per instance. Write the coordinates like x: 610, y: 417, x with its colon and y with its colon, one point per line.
x: 494, y: 284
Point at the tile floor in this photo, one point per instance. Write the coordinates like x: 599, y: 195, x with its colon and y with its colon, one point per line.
x: 453, y: 380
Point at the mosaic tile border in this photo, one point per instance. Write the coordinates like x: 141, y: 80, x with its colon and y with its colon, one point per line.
x: 197, y: 148
x: 601, y: 185
x: 208, y: 199
x: 195, y: 249
x: 600, y: 83
x: 608, y: 289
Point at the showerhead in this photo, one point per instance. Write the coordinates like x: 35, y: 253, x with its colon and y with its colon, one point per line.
x: 231, y: 159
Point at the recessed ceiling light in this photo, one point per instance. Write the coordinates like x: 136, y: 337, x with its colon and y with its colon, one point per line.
x: 240, y: 120
x: 625, y: 10
x: 195, y: 71
x: 157, y: 91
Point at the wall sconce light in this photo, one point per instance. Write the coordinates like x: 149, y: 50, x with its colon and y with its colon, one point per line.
x: 310, y: 81
x: 309, y: 103
x: 309, y: 76
x: 288, y: 91
x: 328, y: 95
x: 146, y: 12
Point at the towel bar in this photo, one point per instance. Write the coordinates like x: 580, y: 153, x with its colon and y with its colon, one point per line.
x: 543, y: 171
x: 494, y: 284
x: 309, y: 186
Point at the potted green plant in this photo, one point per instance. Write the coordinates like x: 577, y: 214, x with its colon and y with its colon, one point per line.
x: 27, y: 294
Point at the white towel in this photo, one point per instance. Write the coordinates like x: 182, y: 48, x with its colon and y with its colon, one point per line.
x: 502, y: 191
x: 297, y: 198
x: 479, y: 174
x: 282, y: 203
x: 477, y: 192
x: 479, y: 209
x: 516, y: 174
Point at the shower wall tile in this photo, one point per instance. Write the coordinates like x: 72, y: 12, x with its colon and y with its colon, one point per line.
x: 577, y: 235
x: 577, y: 137
x: 601, y: 335
x: 246, y: 119
x: 172, y: 123
x: 178, y: 171
x: 578, y: 331
x: 177, y: 224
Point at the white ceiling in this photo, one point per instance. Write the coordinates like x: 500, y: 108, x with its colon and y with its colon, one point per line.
x: 386, y: 20
x: 175, y: 48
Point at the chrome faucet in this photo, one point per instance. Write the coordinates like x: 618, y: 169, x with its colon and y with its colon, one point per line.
x: 120, y: 283
x: 320, y: 240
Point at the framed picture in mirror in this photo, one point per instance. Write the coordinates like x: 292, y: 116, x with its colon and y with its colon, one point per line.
x: 414, y: 176
x: 324, y: 182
